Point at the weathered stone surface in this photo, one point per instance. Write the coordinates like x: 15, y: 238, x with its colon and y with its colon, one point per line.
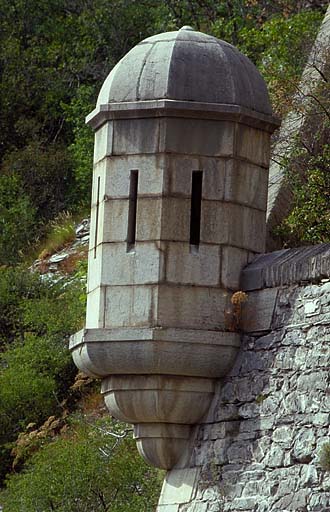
x: 258, y: 310
x: 185, y: 266
x: 129, y: 305
x: 232, y: 224
x: 246, y: 184
x: 180, y: 64
x: 144, y: 265
x: 184, y: 136
x: 136, y: 136
x: 178, y: 486
x: 179, y: 175
x: 159, y: 309
x: 288, y: 266
x: 233, y: 260
x: 192, y: 307
x: 154, y: 351
x: 151, y: 170
x: 103, y: 141
x: 95, y: 308
x: 253, y: 145
x: 270, y: 417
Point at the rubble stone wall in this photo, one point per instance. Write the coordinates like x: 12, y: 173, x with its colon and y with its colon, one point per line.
x: 259, y: 447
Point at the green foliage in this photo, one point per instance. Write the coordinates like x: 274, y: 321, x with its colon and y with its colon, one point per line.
x: 18, y: 220
x: 36, y: 369
x: 307, y: 174
x: 16, y: 287
x: 82, y: 148
x: 31, y: 303
x: 45, y: 174
x: 87, y: 470
x: 29, y: 382
x: 280, y: 48
x: 309, y: 219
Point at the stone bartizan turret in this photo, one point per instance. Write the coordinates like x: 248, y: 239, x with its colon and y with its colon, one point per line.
x: 182, y: 129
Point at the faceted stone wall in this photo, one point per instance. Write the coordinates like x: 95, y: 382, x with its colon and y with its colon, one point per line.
x: 259, y: 447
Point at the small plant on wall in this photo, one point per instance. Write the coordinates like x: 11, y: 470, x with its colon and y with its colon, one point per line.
x: 233, y: 315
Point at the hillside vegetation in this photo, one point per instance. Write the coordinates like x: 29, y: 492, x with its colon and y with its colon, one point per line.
x: 59, y: 450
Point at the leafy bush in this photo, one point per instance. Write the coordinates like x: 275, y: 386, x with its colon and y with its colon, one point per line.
x: 81, y: 149
x: 16, y: 287
x: 308, y: 222
x: 36, y: 369
x: 18, y: 220
x: 31, y: 303
x: 87, y: 470
x: 280, y: 50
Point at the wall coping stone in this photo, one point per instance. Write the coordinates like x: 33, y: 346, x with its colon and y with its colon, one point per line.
x: 286, y: 267
x: 182, y: 109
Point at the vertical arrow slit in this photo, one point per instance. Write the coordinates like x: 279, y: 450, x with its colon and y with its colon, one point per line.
x: 97, y: 214
x: 131, y: 226
x: 195, y: 207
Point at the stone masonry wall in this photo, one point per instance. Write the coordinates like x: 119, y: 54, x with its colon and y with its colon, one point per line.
x: 259, y: 447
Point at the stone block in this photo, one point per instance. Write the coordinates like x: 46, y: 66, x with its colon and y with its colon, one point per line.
x: 157, y: 398
x: 95, y: 308
x: 115, y: 266
x: 103, y: 141
x: 98, y: 180
x: 233, y: 224
x: 184, y: 266
x: 246, y: 184
x: 192, y: 307
x: 132, y: 136
x: 152, y: 83
x: 252, y: 145
x: 232, y: 262
x: 168, y: 508
x: 258, y: 310
x: 179, y: 176
x: 151, y: 175
x: 176, y: 219
x: 148, y: 350
x: 179, y: 486
x: 95, y: 262
x: 149, y: 213
x: 188, y: 136
x: 163, y: 219
x: 129, y: 305
x: 112, y: 221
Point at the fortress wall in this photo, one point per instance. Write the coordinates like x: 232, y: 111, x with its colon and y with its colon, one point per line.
x: 258, y: 449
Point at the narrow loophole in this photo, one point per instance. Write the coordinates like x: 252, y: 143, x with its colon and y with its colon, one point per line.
x: 131, y: 226
x: 195, y: 208
x: 97, y: 215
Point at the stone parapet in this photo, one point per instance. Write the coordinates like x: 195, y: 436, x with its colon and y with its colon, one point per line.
x: 259, y: 447
x: 289, y: 266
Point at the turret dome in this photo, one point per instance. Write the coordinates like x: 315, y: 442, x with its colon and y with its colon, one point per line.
x: 188, y: 66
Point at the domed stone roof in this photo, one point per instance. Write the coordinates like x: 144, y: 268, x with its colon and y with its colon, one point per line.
x: 188, y: 66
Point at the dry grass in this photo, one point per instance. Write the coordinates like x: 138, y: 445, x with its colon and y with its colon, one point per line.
x: 61, y: 233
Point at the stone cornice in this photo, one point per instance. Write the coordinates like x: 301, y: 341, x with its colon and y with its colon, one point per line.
x: 182, y: 109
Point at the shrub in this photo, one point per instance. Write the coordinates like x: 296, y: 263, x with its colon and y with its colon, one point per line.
x: 18, y: 223
x: 36, y: 369
x: 87, y: 470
